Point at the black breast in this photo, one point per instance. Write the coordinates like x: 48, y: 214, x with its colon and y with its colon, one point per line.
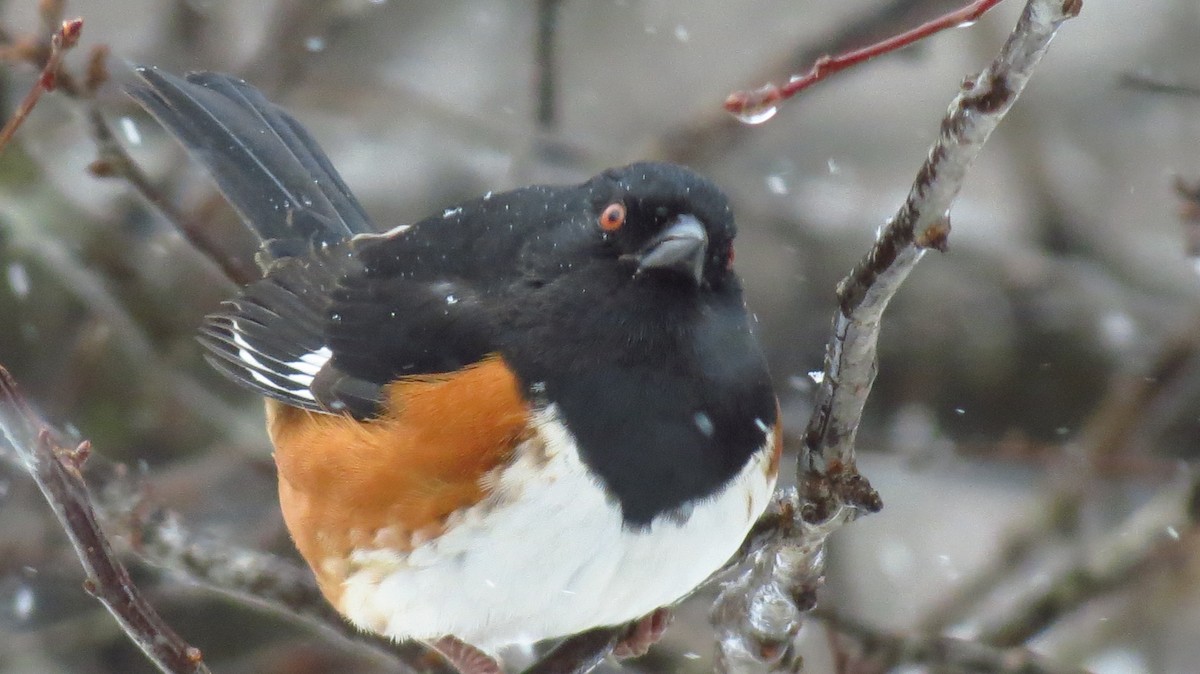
x: 663, y: 387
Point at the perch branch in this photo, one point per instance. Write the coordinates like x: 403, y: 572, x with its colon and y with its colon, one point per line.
x: 759, y: 612
x: 579, y: 654
x: 56, y: 469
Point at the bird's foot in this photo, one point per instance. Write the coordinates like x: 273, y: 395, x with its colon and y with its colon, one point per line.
x: 466, y: 658
x: 643, y: 634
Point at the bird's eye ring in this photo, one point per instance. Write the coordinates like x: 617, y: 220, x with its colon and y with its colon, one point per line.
x: 612, y: 217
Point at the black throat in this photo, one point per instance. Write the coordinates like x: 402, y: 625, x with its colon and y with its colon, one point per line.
x: 662, y: 385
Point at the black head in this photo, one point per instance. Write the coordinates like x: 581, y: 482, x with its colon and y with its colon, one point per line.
x: 664, y: 223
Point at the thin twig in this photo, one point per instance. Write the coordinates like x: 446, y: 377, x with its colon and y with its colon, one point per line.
x: 546, y: 62
x: 1154, y: 85
x: 253, y: 578
x: 1118, y: 417
x: 762, y: 102
x: 56, y: 469
x: 702, y: 139
x: 267, y: 582
x: 758, y: 613
x: 882, y: 651
x: 1145, y: 543
x: 63, y: 40
x: 113, y: 161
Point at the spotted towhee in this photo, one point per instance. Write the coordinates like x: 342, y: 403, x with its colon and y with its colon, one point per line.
x: 534, y: 413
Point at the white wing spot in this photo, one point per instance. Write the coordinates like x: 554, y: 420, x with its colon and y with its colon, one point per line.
x: 312, y: 362
x: 308, y: 366
x: 395, y: 231
x: 246, y: 353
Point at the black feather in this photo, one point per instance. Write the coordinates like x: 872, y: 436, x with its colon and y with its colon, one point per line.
x: 264, y: 162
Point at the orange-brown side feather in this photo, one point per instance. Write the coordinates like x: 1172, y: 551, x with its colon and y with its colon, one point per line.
x: 392, y: 481
x: 777, y: 453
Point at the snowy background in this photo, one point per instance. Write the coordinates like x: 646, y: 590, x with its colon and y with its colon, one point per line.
x: 1005, y: 364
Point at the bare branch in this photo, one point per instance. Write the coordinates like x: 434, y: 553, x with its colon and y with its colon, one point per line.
x: 1118, y: 417
x: 578, y: 654
x: 267, y: 582
x: 113, y: 161
x: 922, y: 223
x: 1148, y: 541
x: 546, y: 63
x: 1155, y: 85
x: 758, y: 613
x: 55, y: 467
x: 253, y: 578
x: 883, y: 652
x: 63, y: 40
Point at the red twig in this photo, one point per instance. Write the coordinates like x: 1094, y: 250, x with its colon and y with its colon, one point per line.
x: 66, y: 37
x: 762, y: 102
x: 55, y: 466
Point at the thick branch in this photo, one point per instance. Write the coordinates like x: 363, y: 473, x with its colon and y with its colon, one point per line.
x: 922, y: 223
x: 579, y: 654
x: 759, y: 612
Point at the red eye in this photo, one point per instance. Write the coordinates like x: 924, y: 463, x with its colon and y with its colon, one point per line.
x: 612, y: 217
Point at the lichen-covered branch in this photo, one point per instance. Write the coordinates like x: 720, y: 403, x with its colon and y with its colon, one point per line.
x: 759, y: 612
x: 923, y: 222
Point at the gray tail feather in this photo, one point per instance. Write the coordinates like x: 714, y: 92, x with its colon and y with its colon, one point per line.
x: 266, y: 164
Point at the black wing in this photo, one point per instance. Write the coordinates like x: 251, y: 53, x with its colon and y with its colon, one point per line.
x: 263, y: 161
x: 321, y: 334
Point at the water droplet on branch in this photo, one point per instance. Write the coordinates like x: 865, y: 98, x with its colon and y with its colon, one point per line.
x: 754, y: 107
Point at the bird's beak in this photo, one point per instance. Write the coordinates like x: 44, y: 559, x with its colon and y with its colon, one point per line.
x: 681, y: 248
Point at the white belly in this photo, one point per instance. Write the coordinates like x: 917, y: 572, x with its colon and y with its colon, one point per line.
x: 546, y: 555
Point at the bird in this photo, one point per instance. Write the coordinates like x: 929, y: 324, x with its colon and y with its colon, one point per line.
x: 535, y: 413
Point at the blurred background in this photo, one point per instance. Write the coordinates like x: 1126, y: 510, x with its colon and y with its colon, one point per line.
x: 1036, y: 422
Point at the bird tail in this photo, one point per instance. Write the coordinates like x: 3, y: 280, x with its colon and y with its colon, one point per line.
x: 269, y: 168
